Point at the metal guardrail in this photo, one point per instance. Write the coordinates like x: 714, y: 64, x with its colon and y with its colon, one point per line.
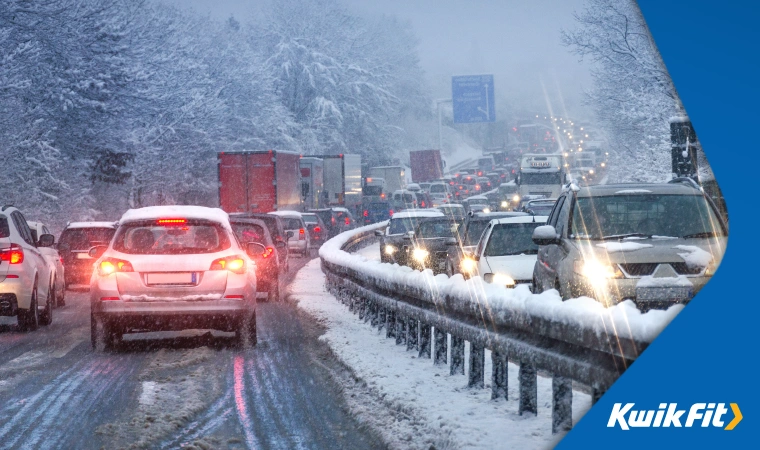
x: 410, y: 314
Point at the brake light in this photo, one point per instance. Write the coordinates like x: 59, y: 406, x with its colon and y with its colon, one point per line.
x: 108, y: 298
x: 366, y: 213
x: 317, y: 229
x: 14, y: 254
x: 422, y: 204
x: 267, y: 252
x: 348, y: 221
x: 390, y: 212
x: 113, y: 265
x: 235, y: 264
x: 301, y: 235
x: 382, y: 195
x: 234, y: 297
x: 172, y: 221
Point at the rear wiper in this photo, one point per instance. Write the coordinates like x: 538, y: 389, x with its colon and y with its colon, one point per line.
x: 623, y: 236
x: 704, y: 234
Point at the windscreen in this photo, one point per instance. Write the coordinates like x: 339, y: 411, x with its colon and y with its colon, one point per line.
x: 474, y: 230
x: 85, y: 238
x: 249, y: 232
x: 192, y: 237
x: 405, y: 225
x: 605, y: 217
x: 541, y: 178
x: 309, y: 218
x: 512, y: 239
x: 291, y: 223
x: 436, y: 229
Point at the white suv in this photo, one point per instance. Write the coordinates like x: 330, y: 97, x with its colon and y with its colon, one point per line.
x: 25, y: 277
x: 55, y: 262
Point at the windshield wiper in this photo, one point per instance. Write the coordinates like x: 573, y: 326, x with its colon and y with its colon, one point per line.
x: 704, y: 234
x: 623, y: 236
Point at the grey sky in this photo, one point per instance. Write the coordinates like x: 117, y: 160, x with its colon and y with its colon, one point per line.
x: 516, y: 40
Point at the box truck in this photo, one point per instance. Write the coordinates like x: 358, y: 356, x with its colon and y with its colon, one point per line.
x: 259, y: 181
x: 426, y: 165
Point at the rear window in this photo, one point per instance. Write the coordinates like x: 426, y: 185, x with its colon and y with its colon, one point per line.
x: 372, y: 190
x: 85, y: 238
x: 249, y: 232
x: 309, y: 218
x: 192, y: 237
x: 437, y: 188
x: 291, y: 223
x: 5, y: 231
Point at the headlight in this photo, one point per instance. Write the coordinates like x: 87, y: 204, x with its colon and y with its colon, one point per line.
x: 711, y: 268
x: 468, y: 265
x: 597, y: 272
x: 487, y: 210
x: 516, y: 198
x: 504, y: 204
x: 591, y: 171
x: 390, y: 250
x: 499, y: 278
x: 420, y: 254
x: 603, y: 165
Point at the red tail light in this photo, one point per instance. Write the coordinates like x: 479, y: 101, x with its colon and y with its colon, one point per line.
x: 14, y: 254
x: 366, y: 213
x: 113, y: 265
x: 422, y: 204
x: 172, y: 221
x: 317, y: 229
x: 382, y: 195
x: 235, y: 264
x: 301, y: 235
x: 348, y: 221
x: 390, y: 212
x: 108, y: 298
x: 267, y: 252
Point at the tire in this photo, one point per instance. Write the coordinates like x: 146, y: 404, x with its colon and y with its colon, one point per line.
x: 61, y: 298
x: 245, y: 334
x: 46, y: 318
x: 101, y: 337
x: 29, y: 320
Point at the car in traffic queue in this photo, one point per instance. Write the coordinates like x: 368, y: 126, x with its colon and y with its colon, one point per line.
x: 26, y: 279
x: 267, y: 263
x: 74, y: 244
x: 403, y: 199
x: 173, y: 268
x: 475, y: 200
x: 453, y: 210
x: 276, y: 232
x: 434, y: 245
x: 509, y: 196
x: 54, y: 260
x: 392, y: 237
x: 344, y: 218
x: 472, y: 231
x: 506, y: 253
x: 376, y: 211
x: 330, y: 219
x: 654, y: 244
x: 298, y: 238
x: 316, y: 228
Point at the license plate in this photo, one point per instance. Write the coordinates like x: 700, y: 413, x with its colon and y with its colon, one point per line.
x: 663, y: 293
x: 180, y: 278
x: 83, y: 256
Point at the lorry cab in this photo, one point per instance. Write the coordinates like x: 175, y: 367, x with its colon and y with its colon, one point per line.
x: 540, y: 174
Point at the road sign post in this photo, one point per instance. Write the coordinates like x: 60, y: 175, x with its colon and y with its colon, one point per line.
x: 473, y: 98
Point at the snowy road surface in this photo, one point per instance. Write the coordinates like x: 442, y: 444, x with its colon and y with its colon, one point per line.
x: 171, y: 390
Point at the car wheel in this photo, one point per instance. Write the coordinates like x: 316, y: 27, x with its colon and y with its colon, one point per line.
x: 449, y: 268
x: 61, y: 297
x: 46, y: 318
x: 252, y: 330
x: 29, y: 320
x: 99, y: 331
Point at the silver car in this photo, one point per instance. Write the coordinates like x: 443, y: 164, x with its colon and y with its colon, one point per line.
x: 654, y: 244
x: 173, y: 268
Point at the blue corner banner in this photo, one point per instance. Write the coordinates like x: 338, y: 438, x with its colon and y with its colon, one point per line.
x: 702, y: 370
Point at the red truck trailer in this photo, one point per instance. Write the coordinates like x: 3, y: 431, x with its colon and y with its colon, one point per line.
x: 259, y: 182
x: 426, y: 165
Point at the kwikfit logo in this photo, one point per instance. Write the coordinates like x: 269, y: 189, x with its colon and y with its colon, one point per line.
x: 668, y: 415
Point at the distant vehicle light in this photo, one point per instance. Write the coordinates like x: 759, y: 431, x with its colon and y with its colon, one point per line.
x: 420, y: 254
x: 390, y: 250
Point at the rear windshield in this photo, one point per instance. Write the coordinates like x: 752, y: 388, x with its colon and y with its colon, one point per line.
x: 437, y: 188
x: 309, y: 218
x: 401, y: 226
x: 85, y: 238
x: 291, y: 223
x: 4, y: 230
x: 474, y: 230
x: 372, y: 190
x: 193, y: 237
x: 250, y: 232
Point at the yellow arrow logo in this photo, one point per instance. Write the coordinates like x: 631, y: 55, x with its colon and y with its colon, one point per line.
x: 737, y: 417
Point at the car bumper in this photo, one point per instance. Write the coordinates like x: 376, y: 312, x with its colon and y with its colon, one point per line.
x: 618, y: 290
x: 19, y: 289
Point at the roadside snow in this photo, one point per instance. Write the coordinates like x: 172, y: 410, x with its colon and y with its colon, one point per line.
x: 463, y: 417
x: 622, y: 246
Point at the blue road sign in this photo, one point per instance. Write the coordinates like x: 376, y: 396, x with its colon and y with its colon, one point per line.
x: 473, y: 98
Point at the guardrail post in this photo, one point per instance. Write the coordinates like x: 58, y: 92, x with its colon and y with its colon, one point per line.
x: 528, y: 388
x: 390, y: 324
x: 477, y: 364
x: 400, y: 329
x: 457, y: 355
x: 441, y: 347
x: 361, y: 306
x: 424, y: 341
x: 373, y: 306
x: 498, y: 374
x: 562, y: 404
x: 412, y: 338
x: 380, y: 317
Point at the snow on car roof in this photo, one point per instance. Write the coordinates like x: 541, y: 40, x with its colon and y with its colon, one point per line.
x: 285, y: 213
x: 451, y: 206
x: 417, y: 213
x: 521, y: 219
x: 477, y: 197
x: 340, y: 209
x: 92, y: 224
x: 176, y: 211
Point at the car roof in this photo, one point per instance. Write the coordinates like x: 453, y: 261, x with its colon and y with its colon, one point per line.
x: 285, y: 213
x: 477, y: 197
x: 175, y: 211
x: 637, y: 188
x: 522, y: 219
x: 497, y: 215
x: 451, y: 206
x: 91, y: 224
x: 414, y: 213
x: 340, y: 209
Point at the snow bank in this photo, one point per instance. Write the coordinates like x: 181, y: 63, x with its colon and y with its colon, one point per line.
x: 582, y: 314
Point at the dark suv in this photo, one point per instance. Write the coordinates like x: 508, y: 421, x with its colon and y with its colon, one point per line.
x: 276, y: 232
x: 74, y: 245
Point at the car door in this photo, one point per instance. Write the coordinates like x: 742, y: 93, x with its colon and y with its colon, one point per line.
x: 554, y: 256
x: 545, y: 271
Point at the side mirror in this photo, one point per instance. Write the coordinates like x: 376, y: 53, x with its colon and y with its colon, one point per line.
x: 545, y: 235
x: 46, y: 240
x: 97, y: 251
x: 379, y: 233
x: 280, y: 244
x: 254, y: 249
x: 289, y: 234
